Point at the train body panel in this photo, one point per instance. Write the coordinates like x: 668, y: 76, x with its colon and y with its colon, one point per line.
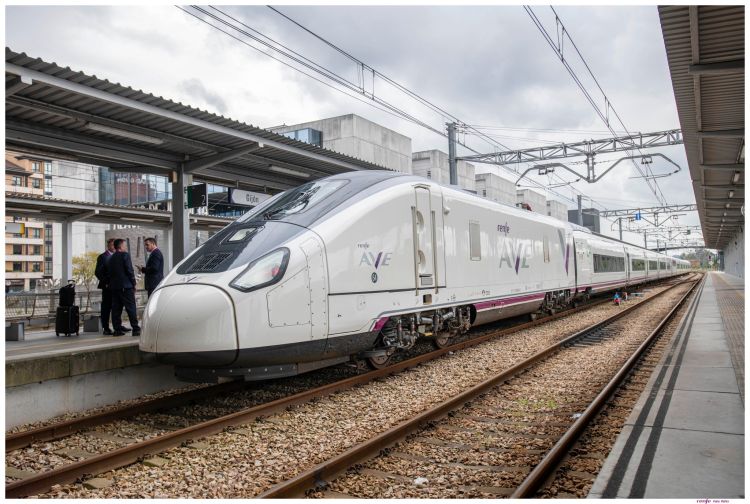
x: 363, y: 264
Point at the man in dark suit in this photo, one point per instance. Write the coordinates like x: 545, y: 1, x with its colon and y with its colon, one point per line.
x: 102, y: 274
x: 154, y: 269
x: 122, y: 285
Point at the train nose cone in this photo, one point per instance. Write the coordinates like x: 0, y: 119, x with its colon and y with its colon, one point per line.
x: 190, y: 325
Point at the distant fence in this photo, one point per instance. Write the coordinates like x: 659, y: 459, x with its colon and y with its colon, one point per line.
x: 36, y: 305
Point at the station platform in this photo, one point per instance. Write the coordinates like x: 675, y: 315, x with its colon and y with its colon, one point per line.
x: 43, y: 356
x: 47, y: 376
x: 685, y: 438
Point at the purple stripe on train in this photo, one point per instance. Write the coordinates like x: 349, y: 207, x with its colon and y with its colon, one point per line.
x: 380, y: 323
x: 495, y: 303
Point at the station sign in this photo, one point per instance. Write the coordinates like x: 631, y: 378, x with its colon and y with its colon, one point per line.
x: 246, y: 198
x: 196, y: 196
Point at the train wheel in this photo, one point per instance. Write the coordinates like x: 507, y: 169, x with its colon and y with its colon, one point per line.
x: 378, y: 362
x: 441, y: 341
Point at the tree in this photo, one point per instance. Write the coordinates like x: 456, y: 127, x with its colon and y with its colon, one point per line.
x: 84, y: 269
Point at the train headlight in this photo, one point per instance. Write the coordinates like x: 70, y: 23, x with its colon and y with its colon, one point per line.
x: 262, y: 272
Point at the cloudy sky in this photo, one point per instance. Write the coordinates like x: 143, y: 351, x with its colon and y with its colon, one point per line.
x: 486, y: 65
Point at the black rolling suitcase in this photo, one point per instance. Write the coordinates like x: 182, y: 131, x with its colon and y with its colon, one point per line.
x: 68, y: 295
x: 67, y: 320
x: 67, y: 315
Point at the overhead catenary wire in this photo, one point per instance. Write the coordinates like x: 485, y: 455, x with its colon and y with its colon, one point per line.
x: 351, y: 86
x: 298, y: 69
x: 604, y: 116
x: 462, y: 126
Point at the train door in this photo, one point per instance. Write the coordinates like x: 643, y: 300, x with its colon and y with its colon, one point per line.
x: 627, y: 268
x: 583, y: 265
x: 427, y: 226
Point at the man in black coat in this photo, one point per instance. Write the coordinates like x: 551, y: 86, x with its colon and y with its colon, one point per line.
x: 154, y: 269
x: 122, y: 285
x: 102, y: 274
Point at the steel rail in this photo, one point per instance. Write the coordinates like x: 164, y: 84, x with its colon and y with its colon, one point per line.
x: 325, y: 471
x: 59, y: 430
x: 128, y: 454
x: 536, y: 479
x: 132, y: 453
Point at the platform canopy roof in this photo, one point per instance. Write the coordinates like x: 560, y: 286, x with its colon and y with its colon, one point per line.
x: 706, y: 53
x: 61, y: 113
x: 61, y: 210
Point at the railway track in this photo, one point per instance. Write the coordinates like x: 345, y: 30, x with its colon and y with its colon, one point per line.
x: 118, y: 456
x: 505, y: 436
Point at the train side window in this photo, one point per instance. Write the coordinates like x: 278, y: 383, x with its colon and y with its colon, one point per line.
x: 475, y: 242
x: 545, y: 245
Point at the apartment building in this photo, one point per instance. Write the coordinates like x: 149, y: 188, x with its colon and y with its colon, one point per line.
x: 28, y: 253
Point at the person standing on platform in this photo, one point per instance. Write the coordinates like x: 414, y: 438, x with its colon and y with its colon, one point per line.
x: 154, y: 269
x: 102, y: 274
x: 122, y: 285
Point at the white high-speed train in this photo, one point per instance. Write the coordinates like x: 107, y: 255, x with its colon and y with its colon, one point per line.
x: 361, y: 265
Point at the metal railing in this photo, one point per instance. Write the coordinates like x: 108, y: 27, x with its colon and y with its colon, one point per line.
x: 42, y: 305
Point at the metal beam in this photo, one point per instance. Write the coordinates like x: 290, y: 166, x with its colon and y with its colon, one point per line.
x: 730, y: 187
x: 195, y: 144
x: 728, y: 133
x: 17, y: 84
x: 167, y: 114
x: 724, y: 167
x: 723, y: 67
x: 648, y: 211
x: 83, y: 216
x: 83, y: 117
x: 16, y: 132
x: 268, y: 161
x: 213, y: 160
x: 584, y: 148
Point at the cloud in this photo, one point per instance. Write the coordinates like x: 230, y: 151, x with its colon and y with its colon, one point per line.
x: 196, y: 89
x: 487, y: 65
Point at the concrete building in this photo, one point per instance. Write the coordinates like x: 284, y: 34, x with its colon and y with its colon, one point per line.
x: 533, y: 199
x: 557, y: 210
x: 433, y: 164
x: 496, y: 188
x: 357, y: 137
x: 590, y: 218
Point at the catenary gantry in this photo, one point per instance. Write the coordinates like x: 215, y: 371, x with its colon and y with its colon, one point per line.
x: 706, y: 52
x: 57, y: 112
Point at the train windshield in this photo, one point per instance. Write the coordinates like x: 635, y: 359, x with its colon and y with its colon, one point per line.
x: 300, y: 199
x: 260, y: 209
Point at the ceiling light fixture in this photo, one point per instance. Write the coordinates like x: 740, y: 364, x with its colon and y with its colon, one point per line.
x: 124, y: 133
x: 736, y: 177
x: 287, y: 171
x: 727, y: 205
x: 731, y: 194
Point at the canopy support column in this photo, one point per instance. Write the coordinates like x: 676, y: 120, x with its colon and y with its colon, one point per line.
x: 180, y: 245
